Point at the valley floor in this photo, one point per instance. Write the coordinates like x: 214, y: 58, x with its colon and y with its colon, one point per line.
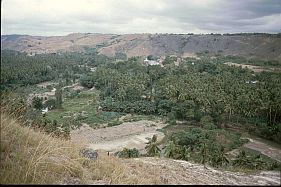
x: 112, y: 139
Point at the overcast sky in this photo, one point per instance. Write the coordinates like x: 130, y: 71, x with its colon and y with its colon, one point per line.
x: 61, y: 17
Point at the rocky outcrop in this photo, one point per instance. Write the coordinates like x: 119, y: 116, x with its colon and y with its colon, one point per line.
x: 89, y: 153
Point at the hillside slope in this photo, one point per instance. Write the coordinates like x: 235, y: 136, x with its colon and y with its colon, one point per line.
x: 183, y: 172
x: 265, y: 46
x: 31, y: 157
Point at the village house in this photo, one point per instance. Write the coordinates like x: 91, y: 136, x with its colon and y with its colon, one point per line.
x: 150, y: 62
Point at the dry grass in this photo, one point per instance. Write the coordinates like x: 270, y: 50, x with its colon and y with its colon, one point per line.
x: 33, y: 157
x: 29, y: 157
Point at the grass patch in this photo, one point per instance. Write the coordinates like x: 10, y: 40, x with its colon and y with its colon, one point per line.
x: 114, y: 123
x: 81, y: 109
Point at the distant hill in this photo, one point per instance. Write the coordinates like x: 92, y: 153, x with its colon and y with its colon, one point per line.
x: 259, y: 45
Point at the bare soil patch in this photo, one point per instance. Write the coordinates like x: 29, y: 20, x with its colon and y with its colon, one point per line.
x: 128, y: 134
x: 264, y: 148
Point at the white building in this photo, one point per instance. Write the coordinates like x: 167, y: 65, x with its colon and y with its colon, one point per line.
x: 151, y: 62
x: 44, y: 111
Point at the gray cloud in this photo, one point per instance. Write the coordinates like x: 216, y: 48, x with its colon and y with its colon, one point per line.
x: 60, y: 17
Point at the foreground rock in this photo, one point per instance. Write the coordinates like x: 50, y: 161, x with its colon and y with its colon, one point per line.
x: 89, y: 153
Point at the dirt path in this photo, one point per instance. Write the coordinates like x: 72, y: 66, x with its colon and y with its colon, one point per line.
x: 128, y: 134
x: 256, y: 69
x: 264, y: 148
x: 182, y: 172
x: 75, y: 86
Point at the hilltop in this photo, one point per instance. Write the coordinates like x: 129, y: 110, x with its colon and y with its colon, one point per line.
x: 255, y: 45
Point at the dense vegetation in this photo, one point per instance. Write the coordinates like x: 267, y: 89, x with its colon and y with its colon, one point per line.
x: 206, y: 92
x: 212, y: 147
x: 195, y: 90
x: 19, y: 69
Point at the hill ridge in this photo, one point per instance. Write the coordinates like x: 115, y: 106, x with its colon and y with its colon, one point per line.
x: 253, y: 45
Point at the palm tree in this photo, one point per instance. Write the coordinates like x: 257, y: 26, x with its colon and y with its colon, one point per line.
x: 169, y: 150
x: 185, y: 152
x: 203, y: 153
x: 221, y: 158
x: 151, y: 148
x: 241, y: 159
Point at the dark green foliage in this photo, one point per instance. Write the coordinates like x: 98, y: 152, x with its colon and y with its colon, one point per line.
x: 249, y: 161
x: 169, y: 60
x: 140, y: 107
x: 170, y: 149
x: 121, y: 56
x: 207, y: 123
x: 50, y: 103
x: 19, y: 69
x: 37, y: 103
x: 151, y: 57
x: 128, y: 153
x: 58, y: 95
x: 204, y: 146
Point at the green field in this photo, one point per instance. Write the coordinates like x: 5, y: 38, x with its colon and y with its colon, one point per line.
x: 83, y: 108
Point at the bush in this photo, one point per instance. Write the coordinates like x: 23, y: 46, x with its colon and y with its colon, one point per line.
x: 50, y: 103
x: 114, y: 123
x: 207, y: 122
x: 128, y: 153
x: 37, y: 103
x: 209, y: 126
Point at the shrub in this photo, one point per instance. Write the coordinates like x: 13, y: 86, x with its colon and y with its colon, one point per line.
x: 114, y: 123
x: 37, y: 103
x: 128, y: 153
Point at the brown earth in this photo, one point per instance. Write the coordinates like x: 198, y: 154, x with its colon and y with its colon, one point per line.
x: 112, y: 139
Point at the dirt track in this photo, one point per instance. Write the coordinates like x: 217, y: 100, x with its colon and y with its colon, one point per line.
x: 256, y: 69
x: 265, y: 149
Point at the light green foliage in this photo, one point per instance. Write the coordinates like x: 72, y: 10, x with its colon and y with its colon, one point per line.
x: 81, y: 109
x: 152, y: 148
x: 114, y: 123
x: 170, y: 149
